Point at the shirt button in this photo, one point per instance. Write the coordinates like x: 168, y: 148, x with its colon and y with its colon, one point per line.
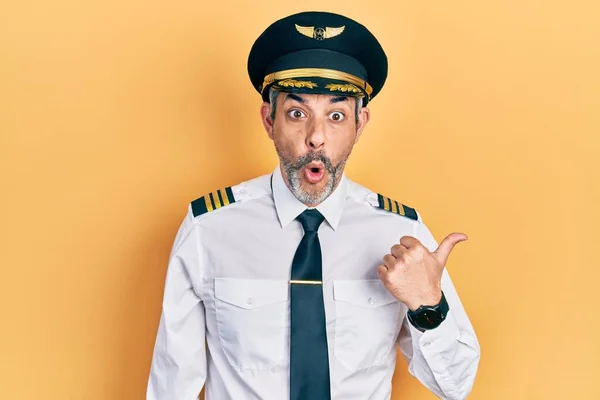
x: 249, y: 300
x: 371, y: 300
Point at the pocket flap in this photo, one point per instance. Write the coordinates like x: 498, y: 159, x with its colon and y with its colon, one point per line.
x: 366, y: 293
x: 250, y: 293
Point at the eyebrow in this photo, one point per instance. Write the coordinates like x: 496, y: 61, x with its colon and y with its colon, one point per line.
x: 291, y: 96
x: 338, y: 99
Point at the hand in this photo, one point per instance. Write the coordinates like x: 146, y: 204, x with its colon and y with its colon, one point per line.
x: 413, y: 274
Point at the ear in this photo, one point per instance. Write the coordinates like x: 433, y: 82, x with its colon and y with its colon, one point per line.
x: 364, y: 115
x: 265, y: 116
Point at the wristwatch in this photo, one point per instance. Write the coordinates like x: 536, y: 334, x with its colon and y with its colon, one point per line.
x: 429, y: 317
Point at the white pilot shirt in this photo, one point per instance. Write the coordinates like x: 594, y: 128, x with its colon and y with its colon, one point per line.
x: 225, y: 319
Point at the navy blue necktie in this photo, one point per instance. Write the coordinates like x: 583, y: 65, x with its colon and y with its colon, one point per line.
x: 309, y: 360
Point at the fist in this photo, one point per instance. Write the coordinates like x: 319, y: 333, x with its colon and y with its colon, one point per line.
x: 413, y: 274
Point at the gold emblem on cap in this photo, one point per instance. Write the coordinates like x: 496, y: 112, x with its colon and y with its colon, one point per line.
x: 319, y: 33
x: 297, y: 84
x: 343, y: 87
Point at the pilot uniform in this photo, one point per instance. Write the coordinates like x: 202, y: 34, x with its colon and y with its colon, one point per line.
x: 235, y: 313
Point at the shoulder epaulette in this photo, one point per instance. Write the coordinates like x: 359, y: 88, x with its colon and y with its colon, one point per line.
x: 212, y: 201
x: 390, y: 205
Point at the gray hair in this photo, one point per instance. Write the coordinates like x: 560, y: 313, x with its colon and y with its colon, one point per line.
x: 273, y: 94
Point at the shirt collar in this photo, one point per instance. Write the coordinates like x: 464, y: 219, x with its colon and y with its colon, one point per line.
x: 289, y: 207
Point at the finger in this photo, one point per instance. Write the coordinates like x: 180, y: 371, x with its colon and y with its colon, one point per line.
x: 382, y: 272
x: 409, y: 242
x: 398, y: 249
x: 443, y: 251
x: 389, y: 261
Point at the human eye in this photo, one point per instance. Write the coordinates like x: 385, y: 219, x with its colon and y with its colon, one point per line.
x: 296, y: 114
x: 337, y: 116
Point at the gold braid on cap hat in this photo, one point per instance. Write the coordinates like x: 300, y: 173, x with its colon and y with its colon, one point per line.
x: 317, y: 73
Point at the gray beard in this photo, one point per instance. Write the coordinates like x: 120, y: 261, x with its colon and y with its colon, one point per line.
x: 292, y: 171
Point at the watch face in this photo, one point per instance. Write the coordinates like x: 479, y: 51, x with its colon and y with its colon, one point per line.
x: 428, y: 319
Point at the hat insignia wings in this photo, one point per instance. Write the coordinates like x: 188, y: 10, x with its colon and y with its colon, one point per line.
x: 320, y: 33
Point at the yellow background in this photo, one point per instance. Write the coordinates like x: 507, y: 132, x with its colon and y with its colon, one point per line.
x: 115, y: 114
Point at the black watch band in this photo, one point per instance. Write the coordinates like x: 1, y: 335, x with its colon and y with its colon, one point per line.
x: 429, y: 317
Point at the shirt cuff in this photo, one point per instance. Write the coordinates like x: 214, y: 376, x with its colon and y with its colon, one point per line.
x: 439, y: 339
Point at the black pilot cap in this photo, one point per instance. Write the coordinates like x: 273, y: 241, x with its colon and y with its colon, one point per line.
x: 318, y: 53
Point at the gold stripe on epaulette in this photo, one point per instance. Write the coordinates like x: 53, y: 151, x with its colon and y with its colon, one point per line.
x: 401, y: 209
x: 386, y: 204
x: 212, y: 201
x: 394, y: 206
x: 209, y: 206
x: 215, y: 197
x: 224, y: 196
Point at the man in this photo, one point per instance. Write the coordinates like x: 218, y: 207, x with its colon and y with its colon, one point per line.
x: 299, y: 284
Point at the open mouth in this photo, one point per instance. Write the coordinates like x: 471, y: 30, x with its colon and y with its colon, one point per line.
x: 314, y: 172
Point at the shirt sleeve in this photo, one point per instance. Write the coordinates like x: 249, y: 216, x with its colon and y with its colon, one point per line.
x: 444, y: 359
x: 178, y: 369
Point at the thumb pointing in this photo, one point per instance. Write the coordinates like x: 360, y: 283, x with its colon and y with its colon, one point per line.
x: 443, y: 251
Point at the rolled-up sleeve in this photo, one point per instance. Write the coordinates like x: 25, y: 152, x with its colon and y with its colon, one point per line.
x: 178, y: 369
x: 444, y: 359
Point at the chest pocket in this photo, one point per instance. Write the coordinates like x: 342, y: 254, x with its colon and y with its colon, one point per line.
x: 367, y: 322
x: 252, y: 318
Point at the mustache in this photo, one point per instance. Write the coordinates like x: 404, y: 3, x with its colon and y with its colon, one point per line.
x: 304, y: 160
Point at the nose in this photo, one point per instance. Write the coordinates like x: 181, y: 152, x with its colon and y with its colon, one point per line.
x: 315, y: 139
